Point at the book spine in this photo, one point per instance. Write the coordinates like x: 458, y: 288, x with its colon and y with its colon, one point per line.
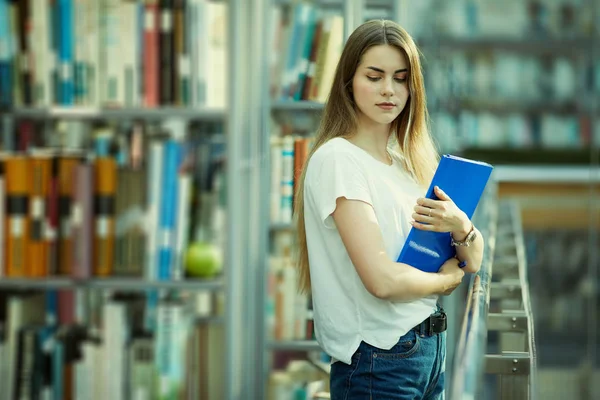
x: 17, y: 225
x: 41, y: 168
x: 82, y: 219
x: 151, y: 56
x: 276, y: 163
x: 287, y: 179
x: 66, y: 173
x: 166, y: 49
x: 25, y: 63
x: 65, y: 52
x: 168, y: 209
x: 182, y: 224
x: 154, y: 185
x: 2, y: 223
x: 105, y: 180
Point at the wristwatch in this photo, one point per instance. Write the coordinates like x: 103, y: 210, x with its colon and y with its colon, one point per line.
x: 471, y: 236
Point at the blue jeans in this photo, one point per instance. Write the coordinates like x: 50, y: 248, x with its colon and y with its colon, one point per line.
x: 412, y: 369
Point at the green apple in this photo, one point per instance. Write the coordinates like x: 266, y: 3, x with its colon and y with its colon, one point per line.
x: 203, y: 260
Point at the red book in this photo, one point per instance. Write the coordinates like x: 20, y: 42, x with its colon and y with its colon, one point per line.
x: 151, y: 60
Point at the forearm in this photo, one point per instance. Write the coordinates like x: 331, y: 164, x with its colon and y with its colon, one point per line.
x: 403, y: 282
x: 472, y: 255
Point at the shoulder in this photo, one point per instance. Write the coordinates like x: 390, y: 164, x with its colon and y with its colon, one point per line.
x: 335, y: 152
x: 337, y: 149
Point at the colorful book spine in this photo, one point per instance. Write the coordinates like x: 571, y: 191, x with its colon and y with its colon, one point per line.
x: 105, y: 181
x: 168, y: 209
x: 182, y: 223
x: 41, y: 168
x: 82, y: 217
x: 166, y: 49
x: 17, y: 170
x: 6, y: 53
x: 66, y: 171
x: 25, y: 40
x: 151, y: 56
x: 287, y: 179
x: 65, y: 52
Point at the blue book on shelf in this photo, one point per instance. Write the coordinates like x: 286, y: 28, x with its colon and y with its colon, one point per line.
x: 464, y: 181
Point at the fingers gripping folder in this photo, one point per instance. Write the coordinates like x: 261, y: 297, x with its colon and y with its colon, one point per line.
x: 464, y: 181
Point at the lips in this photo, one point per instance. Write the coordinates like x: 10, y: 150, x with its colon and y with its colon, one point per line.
x: 386, y: 106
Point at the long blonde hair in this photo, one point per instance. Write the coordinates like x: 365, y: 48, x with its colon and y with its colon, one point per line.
x: 339, y: 117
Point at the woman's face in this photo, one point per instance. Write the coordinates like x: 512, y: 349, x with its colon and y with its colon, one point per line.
x: 380, y: 84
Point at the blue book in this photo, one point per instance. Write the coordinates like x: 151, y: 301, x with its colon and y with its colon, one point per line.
x: 168, y: 209
x: 464, y: 181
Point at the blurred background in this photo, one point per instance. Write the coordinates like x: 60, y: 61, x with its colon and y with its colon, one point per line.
x: 149, y: 155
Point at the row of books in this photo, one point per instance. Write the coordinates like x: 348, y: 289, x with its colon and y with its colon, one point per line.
x: 129, y: 205
x: 469, y: 129
x: 113, y: 53
x: 467, y: 18
x: 113, y: 357
x: 514, y: 78
x: 307, y: 43
x: 289, y: 313
x: 288, y: 156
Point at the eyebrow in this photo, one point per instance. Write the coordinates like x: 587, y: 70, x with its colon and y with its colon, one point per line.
x: 382, y: 71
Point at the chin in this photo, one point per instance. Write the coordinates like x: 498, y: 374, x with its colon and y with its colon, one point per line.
x: 385, y: 120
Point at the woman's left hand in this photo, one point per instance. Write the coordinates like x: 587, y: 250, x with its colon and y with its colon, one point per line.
x: 440, y: 215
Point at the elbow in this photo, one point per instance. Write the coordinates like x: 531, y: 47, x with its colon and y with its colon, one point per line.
x: 392, y: 290
x: 472, y: 270
x: 380, y: 291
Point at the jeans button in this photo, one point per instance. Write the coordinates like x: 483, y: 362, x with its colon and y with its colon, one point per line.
x: 374, y: 355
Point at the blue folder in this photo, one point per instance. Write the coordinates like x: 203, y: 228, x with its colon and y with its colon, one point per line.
x: 464, y: 181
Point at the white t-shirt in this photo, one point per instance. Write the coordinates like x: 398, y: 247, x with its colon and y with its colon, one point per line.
x: 345, y: 313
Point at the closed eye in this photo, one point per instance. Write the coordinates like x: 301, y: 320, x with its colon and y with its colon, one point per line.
x: 377, y: 78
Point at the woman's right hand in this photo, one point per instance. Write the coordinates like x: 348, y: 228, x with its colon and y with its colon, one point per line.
x: 453, y: 274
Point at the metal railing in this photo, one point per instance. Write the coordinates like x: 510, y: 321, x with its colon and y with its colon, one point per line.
x: 497, y: 335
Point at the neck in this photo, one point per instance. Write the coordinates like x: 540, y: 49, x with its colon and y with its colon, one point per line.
x: 373, y: 138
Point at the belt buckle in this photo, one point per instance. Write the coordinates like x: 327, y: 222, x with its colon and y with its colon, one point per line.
x: 437, y: 323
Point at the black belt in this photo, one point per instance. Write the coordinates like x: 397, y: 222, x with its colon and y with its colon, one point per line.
x: 436, y: 323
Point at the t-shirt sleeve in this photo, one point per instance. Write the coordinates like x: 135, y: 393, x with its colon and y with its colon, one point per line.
x: 336, y: 175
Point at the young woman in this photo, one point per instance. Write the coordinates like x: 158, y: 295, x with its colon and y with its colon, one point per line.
x: 359, y: 196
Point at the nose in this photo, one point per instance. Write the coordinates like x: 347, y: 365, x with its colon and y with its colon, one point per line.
x: 388, y: 88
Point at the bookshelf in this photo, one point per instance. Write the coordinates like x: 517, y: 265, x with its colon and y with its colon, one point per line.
x: 220, y: 326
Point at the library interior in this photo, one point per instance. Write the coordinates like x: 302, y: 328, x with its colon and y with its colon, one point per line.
x: 206, y: 112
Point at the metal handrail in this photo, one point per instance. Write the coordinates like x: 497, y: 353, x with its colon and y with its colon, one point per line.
x: 469, y: 358
x: 471, y: 361
x: 518, y: 228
